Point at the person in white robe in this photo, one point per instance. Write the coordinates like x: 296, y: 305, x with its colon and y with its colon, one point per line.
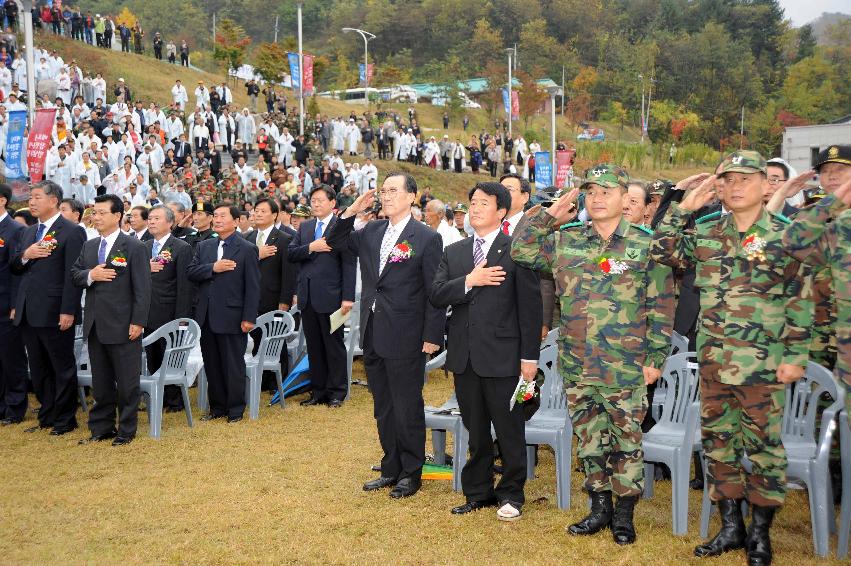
x: 284, y: 149
x: 369, y: 172
x: 173, y: 127
x: 352, y: 137
x: 431, y: 153
x: 5, y: 80
x: 338, y: 135
x: 179, y: 95
x: 246, y: 129
x: 99, y: 88
x: 202, y: 96
x: 19, y: 71
x: 88, y: 168
x: 227, y: 129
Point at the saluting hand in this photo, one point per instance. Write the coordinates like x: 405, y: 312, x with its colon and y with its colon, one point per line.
x: 362, y: 203
x: 701, y: 196
x: 691, y: 182
x: 564, y: 209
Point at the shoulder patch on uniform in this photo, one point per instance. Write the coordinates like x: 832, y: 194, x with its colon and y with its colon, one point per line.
x: 643, y: 228
x: 706, y: 218
x: 571, y: 225
x: 781, y: 218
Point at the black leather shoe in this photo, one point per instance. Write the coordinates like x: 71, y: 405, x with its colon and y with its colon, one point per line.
x: 405, y: 487
x: 122, y: 440
x: 61, y: 431
x: 376, y: 468
x: 10, y: 421
x: 335, y: 403
x: 471, y: 506
x: 235, y: 419
x: 35, y: 428
x: 599, y: 518
x: 379, y: 483
x: 757, y: 542
x: 211, y: 417
x: 98, y: 438
x: 623, y: 529
x: 311, y: 402
x: 732, y: 533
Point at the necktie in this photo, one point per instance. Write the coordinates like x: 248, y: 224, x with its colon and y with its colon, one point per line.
x: 102, y: 251
x: 40, y: 233
x: 387, y: 244
x: 318, y: 232
x: 155, y: 250
x: 478, y: 252
x: 505, y: 225
x: 221, y: 251
x: 261, y: 238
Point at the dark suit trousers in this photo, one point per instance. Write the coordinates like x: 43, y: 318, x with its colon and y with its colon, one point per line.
x: 224, y: 364
x: 53, y: 370
x: 326, y: 353
x: 13, y: 372
x: 172, y: 396
x: 115, y: 386
x: 484, y: 400
x: 397, y: 392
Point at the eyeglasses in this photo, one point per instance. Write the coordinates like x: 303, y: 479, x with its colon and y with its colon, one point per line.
x: 389, y: 193
x: 776, y: 180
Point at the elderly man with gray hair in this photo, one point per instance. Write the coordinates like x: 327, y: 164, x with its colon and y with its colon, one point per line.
x: 435, y: 217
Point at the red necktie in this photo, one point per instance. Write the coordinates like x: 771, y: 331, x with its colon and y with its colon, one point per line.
x: 505, y: 225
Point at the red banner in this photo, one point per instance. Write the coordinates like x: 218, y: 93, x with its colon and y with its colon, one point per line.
x: 307, y: 74
x: 39, y: 142
x: 515, y: 105
x: 564, y: 163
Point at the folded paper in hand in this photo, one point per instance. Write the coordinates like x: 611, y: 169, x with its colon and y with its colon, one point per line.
x: 338, y: 319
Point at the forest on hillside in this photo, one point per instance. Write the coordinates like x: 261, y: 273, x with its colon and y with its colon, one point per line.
x: 705, y: 60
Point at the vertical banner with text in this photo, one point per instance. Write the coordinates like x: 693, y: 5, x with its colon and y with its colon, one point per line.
x: 15, y: 143
x: 307, y: 74
x: 515, y: 105
x: 363, y: 76
x: 295, y: 71
x: 38, y: 142
x: 564, y: 164
x: 543, y: 169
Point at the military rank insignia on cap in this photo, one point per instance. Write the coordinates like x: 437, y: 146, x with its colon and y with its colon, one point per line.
x: 743, y: 161
x: 461, y: 207
x: 201, y: 206
x: 834, y: 154
x: 606, y: 175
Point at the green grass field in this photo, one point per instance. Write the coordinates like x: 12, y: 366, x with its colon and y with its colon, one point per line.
x: 286, y: 489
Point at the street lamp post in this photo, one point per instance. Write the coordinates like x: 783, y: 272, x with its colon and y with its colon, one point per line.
x: 510, y: 51
x: 301, y: 78
x: 554, y: 92
x: 366, y: 38
x: 641, y: 122
x: 27, y: 6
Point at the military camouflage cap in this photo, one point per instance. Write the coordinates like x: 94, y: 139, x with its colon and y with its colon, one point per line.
x: 659, y: 186
x: 461, y: 207
x: 834, y: 154
x: 302, y: 211
x: 743, y: 162
x: 606, y: 175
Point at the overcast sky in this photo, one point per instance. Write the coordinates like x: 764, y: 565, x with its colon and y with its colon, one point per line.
x: 805, y: 11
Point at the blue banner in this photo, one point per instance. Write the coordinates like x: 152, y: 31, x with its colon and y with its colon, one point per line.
x: 543, y: 169
x: 295, y: 71
x: 15, y: 144
x: 506, y: 105
x: 362, y: 73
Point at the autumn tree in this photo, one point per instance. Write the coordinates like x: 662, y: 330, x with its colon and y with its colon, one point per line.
x: 231, y: 43
x: 531, y: 96
x: 270, y: 62
x: 578, y: 109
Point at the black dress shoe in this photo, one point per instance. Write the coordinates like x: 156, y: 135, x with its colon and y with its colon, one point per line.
x: 122, y: 440
x: 311, y: 402
x: 61, y: 431
x: 211, y: 417
x: 405, y: 487
x: 471, y: 506
x: 376, y: 468
x: 599, y: 518
x: 379, y: 483
x: 235, y: 419
x: 10, y: 421
x: 35, y: 428
x: 335, y: 403
x: 98, y: 438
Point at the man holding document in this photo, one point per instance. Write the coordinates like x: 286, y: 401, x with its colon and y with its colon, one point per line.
x: 494, y: 337
x: 326, y: 283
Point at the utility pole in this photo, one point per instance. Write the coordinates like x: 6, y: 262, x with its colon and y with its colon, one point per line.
x: 649, y: 98
x: 301, y: 78
x: 276, y: 29
x: 515, y: 56
x: 366, y: 38
x: 562, y: 91
x: 510, y: 102
x: 641, y: 124
x: 742, y: 131
x: 214, y: 28
x: 30, y: 58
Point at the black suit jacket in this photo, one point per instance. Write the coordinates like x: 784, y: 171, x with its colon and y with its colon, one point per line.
x: 277, y: 274
x: 325, y: 279
x: 46, y: 289
x: 492, y: 327
x: 112, y: 306
x: 10, y: 237
x: 171, y: 290
x: 403, y: 318
x: 228, y: 298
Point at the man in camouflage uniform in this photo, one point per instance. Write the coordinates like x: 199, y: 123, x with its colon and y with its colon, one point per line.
x: 616, y: 315
x: 821, y: 236
x: 753, y: 338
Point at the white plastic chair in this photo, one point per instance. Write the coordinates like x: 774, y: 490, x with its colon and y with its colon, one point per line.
x: 845, y: 514
x: 181, y: 336
x: 84, y: 375
x: 675, y: 435
x: 441, y: 420
x: 275, y: 328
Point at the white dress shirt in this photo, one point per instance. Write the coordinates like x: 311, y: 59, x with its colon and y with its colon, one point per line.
x: 47, y: 224
x: 110, y: 241
x: 324, y: 222
x: 513, y: 221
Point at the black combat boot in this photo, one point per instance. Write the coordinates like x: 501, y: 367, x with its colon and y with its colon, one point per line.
x: 757, y: 543
x: 599, y: 517
x: 732, y: 533
x: 623, y: 530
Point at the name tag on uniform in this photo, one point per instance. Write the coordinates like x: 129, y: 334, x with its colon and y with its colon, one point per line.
x: 711, y: 244
x: 633, y: 254
x: 574, y: 251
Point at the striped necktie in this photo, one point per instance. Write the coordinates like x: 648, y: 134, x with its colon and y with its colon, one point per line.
x: 478, y: 252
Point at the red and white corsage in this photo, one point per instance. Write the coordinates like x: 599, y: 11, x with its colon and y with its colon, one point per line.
x: 401, y: 252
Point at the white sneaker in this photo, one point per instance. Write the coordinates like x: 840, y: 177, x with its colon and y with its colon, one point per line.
x: 508, y: 513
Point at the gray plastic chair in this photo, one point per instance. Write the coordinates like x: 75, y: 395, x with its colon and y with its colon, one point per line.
x: 275, y: 328
x: 551, y: 424
x: 672, y: 439
x: 845, y: 515
x: 441, y: 420
x: 807, y: 454
x: 84, y: 375
x: 181, y: 337
x: 679, y: 343
x: 297, y: 344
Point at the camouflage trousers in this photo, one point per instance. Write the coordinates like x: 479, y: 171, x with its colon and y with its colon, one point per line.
x: 738, y: 420
x: 607, y: 423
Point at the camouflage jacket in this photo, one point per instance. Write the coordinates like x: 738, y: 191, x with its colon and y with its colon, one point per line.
x: 612, y: 323
x: 821, y: 236
x: 755, y: 301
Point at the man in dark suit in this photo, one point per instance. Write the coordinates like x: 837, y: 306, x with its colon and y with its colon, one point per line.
x: 48, y: 305
x: 171, y: 290
x: 398, y: 260
x: 13, y: 358
x: 182, y: 150
x: 494, y: 336
x: 326, y: 283
x: 116, y: 274
x: 139, y: 223
x: 277, y: 274
x: 228, y: 274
